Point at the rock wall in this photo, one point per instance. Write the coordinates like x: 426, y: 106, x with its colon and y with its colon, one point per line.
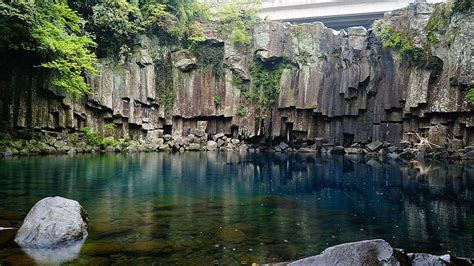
x: 338, y: 87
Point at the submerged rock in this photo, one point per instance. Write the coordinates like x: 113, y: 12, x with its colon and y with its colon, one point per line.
x: 230, y: 235
x: 53, y: 222
x: 338, y: 150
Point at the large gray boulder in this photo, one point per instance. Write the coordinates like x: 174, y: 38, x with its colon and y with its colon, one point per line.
x: 53, y: 222
x: 211, y: 145
x: 369, y: 252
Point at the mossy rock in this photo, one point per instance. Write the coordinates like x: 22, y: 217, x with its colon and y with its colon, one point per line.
x: 104, y: 230
x: 250, y: 260
x: 197, y: 261
x: 230, y: 235
x: 284, y: 252
x: 101, y: 249
x: 275, y: 202
x: 95, y: 261
x: 19, y: 259
x: 148, y: 248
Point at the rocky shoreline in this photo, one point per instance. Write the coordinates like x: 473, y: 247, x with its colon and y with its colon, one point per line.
x: 76, y: 143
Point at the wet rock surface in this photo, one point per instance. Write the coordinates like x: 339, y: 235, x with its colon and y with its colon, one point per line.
x: 53, y: 222
x: 370, y: 252
x: 376, y: 252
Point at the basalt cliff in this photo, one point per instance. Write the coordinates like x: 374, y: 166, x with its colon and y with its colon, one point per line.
x: 304, y: 84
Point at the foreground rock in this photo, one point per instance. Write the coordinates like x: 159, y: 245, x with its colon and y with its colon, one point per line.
x: 376, y: 252
x: 53, y: 222
x: 369, y: 252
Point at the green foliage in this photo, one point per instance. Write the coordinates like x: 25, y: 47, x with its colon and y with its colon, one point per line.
x: 240, y: 36
x: 92, y: 138
x: 109, y: 129
x: 156, y: 18
x: 165, y: 85
x: 438, y: 22
x: 103, y: 140
x: 389, y: 37
x: 238, y: 83
x: 54, y: 33
x: 210, y: 55
x: 16, y: 22
x: 235, y: 19
x: 264, y: 88
x: 181, y: 19
x: 470, y: 94
x: 241, y: 111
x: 401, y: 40
x: 462, y: 6
x: 196, y: 33
x: 115, y: 23
x: 217, y: 100
x: 266, y: 81
x: 106, y: 142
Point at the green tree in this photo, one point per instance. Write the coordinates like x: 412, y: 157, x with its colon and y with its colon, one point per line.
x: 235, y: 20
x: 53, y: 34
x: 115, y: 24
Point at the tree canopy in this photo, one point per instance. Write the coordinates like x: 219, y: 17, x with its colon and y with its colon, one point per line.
x: 68, y: 35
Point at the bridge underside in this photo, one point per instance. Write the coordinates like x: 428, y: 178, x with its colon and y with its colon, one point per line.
x: 342, y: 22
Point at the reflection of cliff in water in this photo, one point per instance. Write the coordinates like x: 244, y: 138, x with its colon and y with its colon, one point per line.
x: 425, y: 202
x: 300, y: 173
x: 422, y: 207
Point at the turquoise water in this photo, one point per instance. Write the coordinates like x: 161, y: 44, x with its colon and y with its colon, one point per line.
x: 232, y: 208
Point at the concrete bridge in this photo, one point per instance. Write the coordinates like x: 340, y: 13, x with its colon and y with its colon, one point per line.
x: 333, y: 13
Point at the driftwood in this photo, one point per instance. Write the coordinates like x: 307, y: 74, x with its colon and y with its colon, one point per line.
x: 424, y: 142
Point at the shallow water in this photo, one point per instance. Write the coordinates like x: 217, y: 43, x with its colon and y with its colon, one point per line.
x: 231, y: 208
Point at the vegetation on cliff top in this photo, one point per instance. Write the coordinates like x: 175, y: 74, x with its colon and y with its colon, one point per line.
x: 236, y: 19
x: 418, y: 52
x: 67, y: 36
x: 54, y: 34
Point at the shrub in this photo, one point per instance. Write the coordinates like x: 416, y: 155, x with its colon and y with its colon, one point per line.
x: 470, y: 94
x: 109, y: 129
x: 235, y: 19
x: 92, y: 138
x: 438, y: 22
x: 241, y: 111
x: 108, y: 142
x: 210, y: 55
x: 217, y: 100
x: 401, y: 40
x: 265, y: 83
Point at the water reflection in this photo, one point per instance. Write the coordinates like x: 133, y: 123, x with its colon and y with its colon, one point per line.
x: 257, y: 207
x: 56, y: 256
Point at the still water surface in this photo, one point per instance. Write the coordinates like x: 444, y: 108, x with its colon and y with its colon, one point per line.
x: 232, y: 208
